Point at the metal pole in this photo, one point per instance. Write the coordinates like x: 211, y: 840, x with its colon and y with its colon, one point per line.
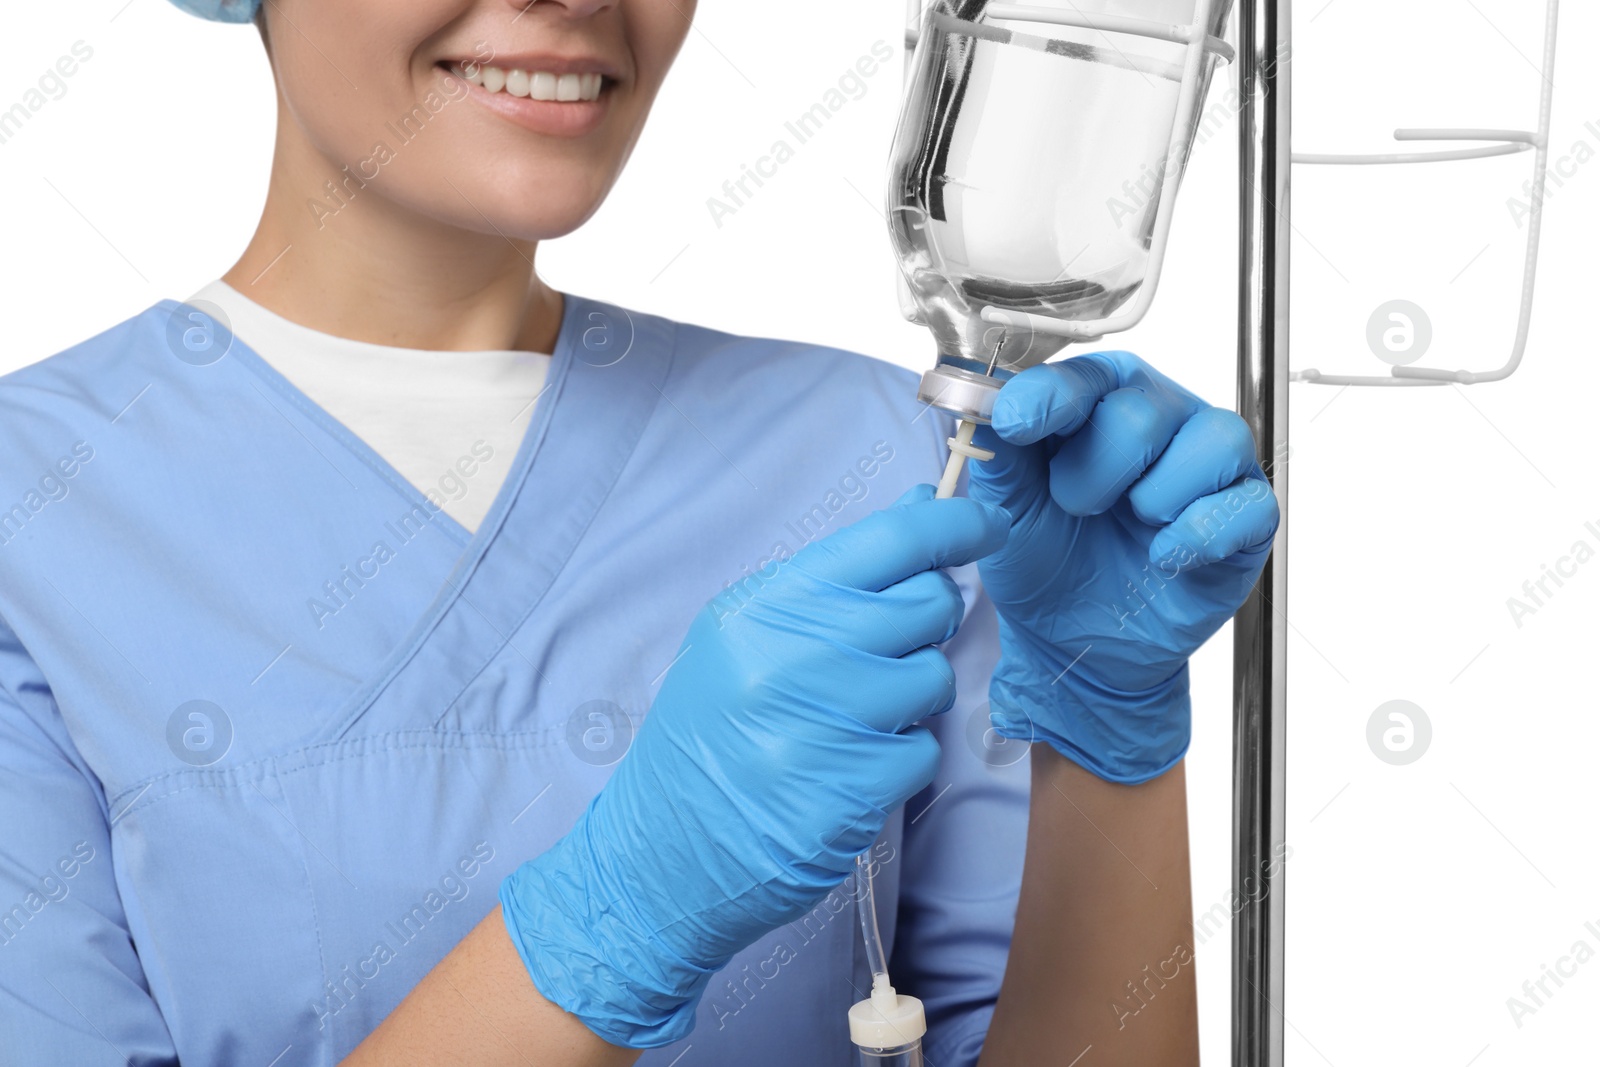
x: 1261, y: 627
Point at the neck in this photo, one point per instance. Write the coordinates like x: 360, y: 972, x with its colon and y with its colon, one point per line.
x: 361, y: 266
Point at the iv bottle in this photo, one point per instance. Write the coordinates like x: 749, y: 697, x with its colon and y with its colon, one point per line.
x: 1026, y: 174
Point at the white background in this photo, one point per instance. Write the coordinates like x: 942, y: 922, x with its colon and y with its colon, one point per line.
x: 1420, y: 897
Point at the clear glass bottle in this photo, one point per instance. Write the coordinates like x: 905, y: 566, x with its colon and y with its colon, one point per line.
x: 1027, y: 169
x: 909, y: 1055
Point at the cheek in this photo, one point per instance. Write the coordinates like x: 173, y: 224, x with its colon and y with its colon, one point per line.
x: 656, y: 32
x: 342, y: 96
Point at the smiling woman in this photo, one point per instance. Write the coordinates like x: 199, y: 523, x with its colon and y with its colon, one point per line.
x: 278, y: 527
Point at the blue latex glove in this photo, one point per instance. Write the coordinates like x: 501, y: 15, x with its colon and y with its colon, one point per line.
x: 779, y: 743
x: 1140, y: 521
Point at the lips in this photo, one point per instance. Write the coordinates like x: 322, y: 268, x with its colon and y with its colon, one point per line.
x: 541, y: 97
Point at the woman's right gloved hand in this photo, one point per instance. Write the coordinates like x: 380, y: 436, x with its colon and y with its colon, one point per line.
x: 778, y: 745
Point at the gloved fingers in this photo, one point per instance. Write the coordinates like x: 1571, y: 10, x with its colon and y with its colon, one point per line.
x: 925, y: 609
x: 1240, y: 520
x: 1016, y: 479
x: 915, y: 495
x: 916, y: 534
x: 1053, y: 398
x: 1210, y: 452
x: 1126, y: 433
x: 911, y: 763
x: 900, y: 691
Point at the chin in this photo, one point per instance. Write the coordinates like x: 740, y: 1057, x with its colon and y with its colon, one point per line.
x: 534, y: 202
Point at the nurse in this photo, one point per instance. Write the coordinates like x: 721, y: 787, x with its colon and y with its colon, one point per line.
x: 402, y: 661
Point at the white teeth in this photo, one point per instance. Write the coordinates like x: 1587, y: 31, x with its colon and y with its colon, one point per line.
x: 538, y: 84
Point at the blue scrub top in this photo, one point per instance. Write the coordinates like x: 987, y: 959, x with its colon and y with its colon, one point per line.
x: 273, y: 726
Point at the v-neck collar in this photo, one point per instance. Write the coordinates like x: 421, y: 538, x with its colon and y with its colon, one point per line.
x: 604, y: 380
x: 358, y: 446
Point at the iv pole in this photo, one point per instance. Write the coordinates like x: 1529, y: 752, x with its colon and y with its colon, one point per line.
x: 1261, y: 630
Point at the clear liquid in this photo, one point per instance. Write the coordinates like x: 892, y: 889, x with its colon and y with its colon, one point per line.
x: 909, y: 1055
x: 1026, y: 174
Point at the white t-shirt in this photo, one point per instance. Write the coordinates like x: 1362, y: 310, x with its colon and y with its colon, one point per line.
x: 450, y: 422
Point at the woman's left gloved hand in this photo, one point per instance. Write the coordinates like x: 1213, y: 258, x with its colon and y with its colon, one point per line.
x: 1140, y: 521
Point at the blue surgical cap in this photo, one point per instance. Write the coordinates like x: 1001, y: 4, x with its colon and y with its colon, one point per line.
x: 221, y: 10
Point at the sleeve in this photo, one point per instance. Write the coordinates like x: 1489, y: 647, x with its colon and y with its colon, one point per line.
x: 71, y: 986
x: 963, y: 845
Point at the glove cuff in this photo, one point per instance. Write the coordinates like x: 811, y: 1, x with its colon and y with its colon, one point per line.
x: 1123, y: 737
x: 574, y: 934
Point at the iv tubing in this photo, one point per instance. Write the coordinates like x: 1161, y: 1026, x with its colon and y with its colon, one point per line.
x: 867, y: 908
x: 886, y: 1026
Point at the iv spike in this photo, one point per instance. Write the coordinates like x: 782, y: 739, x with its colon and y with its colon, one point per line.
x: 998, y: 345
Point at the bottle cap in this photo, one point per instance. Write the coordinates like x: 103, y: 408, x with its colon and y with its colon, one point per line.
x: 886, y: 1019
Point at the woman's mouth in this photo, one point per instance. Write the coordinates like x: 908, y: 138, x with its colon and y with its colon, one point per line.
x: 557, y: 103
x: 534, y: 84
